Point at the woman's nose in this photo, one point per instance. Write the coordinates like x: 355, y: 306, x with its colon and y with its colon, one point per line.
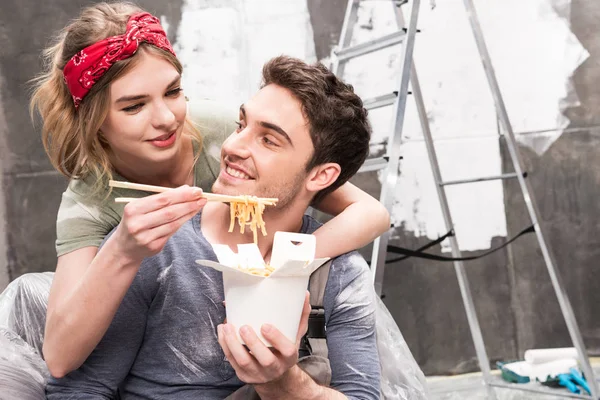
x: 163, y: 116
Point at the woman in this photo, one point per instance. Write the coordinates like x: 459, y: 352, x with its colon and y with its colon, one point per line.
x: 112, y: 107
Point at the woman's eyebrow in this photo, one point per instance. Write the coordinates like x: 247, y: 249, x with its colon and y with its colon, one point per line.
x: 142, y: 96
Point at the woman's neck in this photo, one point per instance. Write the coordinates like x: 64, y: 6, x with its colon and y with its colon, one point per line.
x: 173, y: 173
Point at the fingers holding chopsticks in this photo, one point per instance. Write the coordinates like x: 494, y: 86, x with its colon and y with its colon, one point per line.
x: 150, y: 221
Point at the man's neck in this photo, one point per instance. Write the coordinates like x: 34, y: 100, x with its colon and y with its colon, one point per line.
x: 215, y: 224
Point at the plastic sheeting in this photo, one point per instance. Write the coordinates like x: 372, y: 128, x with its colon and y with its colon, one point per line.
x: 23, y: 372
x: 401, y: 376
x: 23, y: 307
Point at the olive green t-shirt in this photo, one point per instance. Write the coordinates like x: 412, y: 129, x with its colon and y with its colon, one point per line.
x: 86, y: 216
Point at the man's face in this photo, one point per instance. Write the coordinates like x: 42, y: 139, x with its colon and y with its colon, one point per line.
x: 266, y: 156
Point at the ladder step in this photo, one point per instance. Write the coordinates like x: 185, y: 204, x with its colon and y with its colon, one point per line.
x: 488, y: 178
x: 380, y: 101
x: 374, y: 164
x: 370, y: 46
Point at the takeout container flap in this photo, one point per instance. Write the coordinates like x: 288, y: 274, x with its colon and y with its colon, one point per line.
x: 292, y: 255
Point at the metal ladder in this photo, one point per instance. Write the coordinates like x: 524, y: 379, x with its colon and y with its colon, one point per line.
x: 390, y: 164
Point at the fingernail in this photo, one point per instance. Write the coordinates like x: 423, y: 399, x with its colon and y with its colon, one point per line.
x: 227, y: 329
x: 197, y: 192
x: 244, y: 330
x: 219, y: 329
x: 266, y: 328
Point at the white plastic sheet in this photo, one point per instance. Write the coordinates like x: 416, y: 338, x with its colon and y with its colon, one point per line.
x: 401, y: 376
x: 23, y: 307
x: 23, y: 372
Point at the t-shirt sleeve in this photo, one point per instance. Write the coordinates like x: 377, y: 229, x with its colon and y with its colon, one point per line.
x: 79, y: 225
x: 350, y: 319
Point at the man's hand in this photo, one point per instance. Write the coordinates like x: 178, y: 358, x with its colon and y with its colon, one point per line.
x: 261, y: 364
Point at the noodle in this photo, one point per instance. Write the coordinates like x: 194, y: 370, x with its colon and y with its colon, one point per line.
x: 266, y: 271
x: 249, y: 211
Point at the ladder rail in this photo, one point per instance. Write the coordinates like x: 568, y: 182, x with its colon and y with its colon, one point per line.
x: 461, y: 275
x: 350, y: 18
x: 559, y: 288
x: 390, y: 174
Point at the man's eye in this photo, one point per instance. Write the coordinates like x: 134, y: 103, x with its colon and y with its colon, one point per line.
x: 268, y: 142
x: 134, y: 107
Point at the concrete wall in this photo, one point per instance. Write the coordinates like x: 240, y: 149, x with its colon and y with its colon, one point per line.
x: 31, y: 190
x: 515, y: 302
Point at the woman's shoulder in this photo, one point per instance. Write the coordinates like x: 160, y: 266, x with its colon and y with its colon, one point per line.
x: 94, y: 197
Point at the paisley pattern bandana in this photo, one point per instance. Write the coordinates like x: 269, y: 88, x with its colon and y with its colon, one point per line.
x: 85, y: 68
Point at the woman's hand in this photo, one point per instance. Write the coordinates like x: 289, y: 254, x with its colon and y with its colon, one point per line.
x: 150, y: 221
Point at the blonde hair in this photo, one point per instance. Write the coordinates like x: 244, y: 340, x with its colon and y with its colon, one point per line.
x: 70, y: 136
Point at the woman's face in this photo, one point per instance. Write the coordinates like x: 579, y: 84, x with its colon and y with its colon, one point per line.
x: 146, y: 114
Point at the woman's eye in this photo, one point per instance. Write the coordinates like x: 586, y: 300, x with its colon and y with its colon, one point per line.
x: 174, y: 92
x: 134, y: 107
x: 239, y: 125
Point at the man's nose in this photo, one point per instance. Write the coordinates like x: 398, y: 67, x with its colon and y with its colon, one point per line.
x: 239, y: 143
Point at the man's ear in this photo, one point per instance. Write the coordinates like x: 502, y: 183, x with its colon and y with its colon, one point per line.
x: 322, y: 176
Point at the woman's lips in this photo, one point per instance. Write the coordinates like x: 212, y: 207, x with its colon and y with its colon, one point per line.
x: 164, y: 141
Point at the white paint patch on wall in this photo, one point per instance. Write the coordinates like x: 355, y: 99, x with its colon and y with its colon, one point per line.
x: 224, y: 48
x: 534, y: 54
x: 458, y: 103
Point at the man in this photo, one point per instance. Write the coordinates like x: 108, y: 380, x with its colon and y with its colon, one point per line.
x: 302, y: 135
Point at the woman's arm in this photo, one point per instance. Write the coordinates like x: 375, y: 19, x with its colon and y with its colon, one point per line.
x: 359, y: 219
x: 89, y: 285
x: 86, y: 291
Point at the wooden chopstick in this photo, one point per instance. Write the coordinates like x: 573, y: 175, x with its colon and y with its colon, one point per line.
x: 160, y: 189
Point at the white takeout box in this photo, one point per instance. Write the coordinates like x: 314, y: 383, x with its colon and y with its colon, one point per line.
x: 277, y: 299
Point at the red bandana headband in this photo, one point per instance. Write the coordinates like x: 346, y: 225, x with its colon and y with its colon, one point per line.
x: 85, y: 68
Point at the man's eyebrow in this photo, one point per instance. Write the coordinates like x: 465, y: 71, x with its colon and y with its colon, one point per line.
x: 277, y: 129
x: 142, y: 96
x: 270, y: 126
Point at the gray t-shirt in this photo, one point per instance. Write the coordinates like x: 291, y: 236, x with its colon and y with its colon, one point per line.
x: 162, y: 343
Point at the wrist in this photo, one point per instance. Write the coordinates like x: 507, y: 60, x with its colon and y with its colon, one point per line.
x: 118, y: 255
x: 294, y: 383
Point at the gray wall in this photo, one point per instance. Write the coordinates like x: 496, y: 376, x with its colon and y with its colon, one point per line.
x: 31, y: 190
x: 515, y: 302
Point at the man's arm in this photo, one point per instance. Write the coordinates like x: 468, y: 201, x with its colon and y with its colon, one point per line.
x: 351, y: 331
x: 296, y: 384
x: 105, y: 369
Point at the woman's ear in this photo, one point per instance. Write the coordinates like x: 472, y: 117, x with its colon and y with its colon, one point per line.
x: 322, y: 176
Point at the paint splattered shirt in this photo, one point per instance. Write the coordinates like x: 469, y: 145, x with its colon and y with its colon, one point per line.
x: 85, y: 217
x: 162, y: 342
